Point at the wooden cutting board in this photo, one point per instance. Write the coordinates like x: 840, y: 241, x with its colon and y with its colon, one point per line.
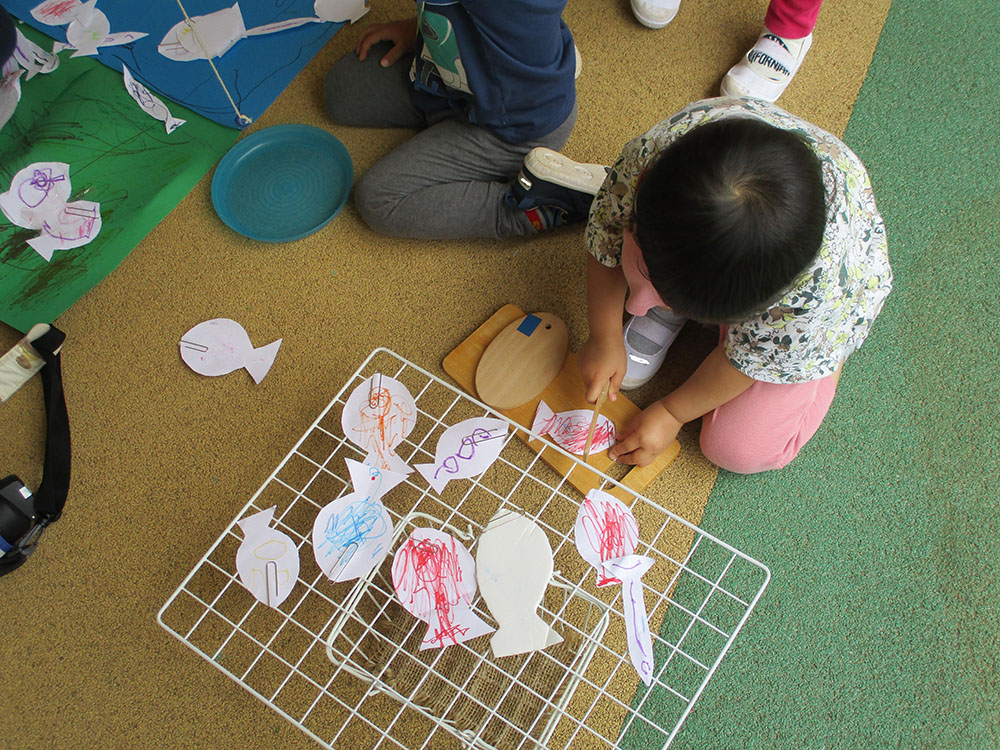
x: 565, y: 392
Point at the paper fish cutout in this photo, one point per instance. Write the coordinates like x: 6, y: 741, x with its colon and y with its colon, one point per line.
x: 151, y: 103
x: 267, y: 560
x: 33, y: 58
x: 351, y: 535
x: 434, y: 577
x: 378, y: 415
x: 214, y: 34
x: 569, y: 429
x: 606, y: 535
x: 513, y: 566
x: 465, y: 450
x: 220, y: 346
x: 56, y: 12
x: 90, y: 29
x: 37, y: 199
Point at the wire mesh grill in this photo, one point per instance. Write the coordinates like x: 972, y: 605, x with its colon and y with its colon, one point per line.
x: 342, y: 661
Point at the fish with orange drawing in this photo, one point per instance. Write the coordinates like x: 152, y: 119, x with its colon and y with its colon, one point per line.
x: 379, y: 414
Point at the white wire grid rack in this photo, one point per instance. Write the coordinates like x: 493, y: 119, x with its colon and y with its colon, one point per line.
x: 341, y: 660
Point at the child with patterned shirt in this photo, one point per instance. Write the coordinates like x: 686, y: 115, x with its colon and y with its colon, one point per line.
x: 737, y: 214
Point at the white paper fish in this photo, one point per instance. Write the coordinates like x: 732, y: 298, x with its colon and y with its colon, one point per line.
x: 513, y: 566
x: 434, y: 577
x: 56, y: 12
x: 220, y: 346
x: 569, y: 429
x: 351, y: 535
x: 606, y: 535
x: 465, y: 450
x: 377, y: 417
x: 37, y: 199
x: 33, y: 58
x: 267, y: 560
x: 91, y: 29
x: 151, y: 103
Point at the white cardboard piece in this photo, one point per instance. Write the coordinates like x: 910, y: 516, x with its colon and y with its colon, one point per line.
x: 513, y: 567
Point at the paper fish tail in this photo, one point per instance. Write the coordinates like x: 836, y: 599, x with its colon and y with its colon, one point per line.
x: 261, y: 359
x: 396, y: 463
x: 427, y: 471
x: 523, y: 636
x: 543, y: 415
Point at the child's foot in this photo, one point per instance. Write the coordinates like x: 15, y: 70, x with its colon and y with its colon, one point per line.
x: 655, y: 13
x: 553, y: 190
x: 767, y: 68
x: 647, y: 338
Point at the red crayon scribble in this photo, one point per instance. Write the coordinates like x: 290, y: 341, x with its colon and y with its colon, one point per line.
x: 611, y: 531
x: 570, y: 431
x: 427, y: 575
x: 57, y: 10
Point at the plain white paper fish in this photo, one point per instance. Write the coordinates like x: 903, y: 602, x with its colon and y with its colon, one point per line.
x: 352, y: 534
x: 606, y: 535
x: 569, y: 429
x: 220, y: 346
x: 377, y: 417
x: 151, y: 103
x: 267, y: 560
x: 37, y: 199
x: 434, y: 577
x: 513, y: 566
x: 465, y: 450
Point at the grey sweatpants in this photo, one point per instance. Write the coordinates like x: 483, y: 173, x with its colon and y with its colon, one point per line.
x: 450, y: 179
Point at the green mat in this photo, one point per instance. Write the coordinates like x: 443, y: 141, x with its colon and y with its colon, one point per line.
x: 880, y: 626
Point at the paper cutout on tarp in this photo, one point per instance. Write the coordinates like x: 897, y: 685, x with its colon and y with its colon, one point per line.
x: 513, y: 567
x: 33, y: 58
x: 38, y: 198
x: 465, y: 450
x: 568, y: 429
x: 377, y: 417
x: 150, y: 103
x: 606, y: 534
x: 435, y: 579
x: 119, y: 158
x: 351, y: 536
x: 267, y: 559
x: 220, y: 346
x: 90, y: 30
x: 254, y: 72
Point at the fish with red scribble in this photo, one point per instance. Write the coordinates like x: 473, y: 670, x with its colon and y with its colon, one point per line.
x: 569, y: 429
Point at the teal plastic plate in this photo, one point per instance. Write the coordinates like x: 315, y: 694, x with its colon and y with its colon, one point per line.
x: 282, y: 183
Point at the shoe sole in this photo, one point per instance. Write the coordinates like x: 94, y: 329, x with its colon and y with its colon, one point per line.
x: 551, y: 166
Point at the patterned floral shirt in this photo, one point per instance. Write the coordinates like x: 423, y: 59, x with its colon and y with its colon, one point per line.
x: 828, y: 311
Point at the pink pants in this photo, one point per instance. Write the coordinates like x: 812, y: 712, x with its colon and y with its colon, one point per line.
x: 766, y: 426
x: 792, y: 19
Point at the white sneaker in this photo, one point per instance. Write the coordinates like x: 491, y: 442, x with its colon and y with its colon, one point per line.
x: 647, y: 338
x: 767, y: 68
x: 655, y: 14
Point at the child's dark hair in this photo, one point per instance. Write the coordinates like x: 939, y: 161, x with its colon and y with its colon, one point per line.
x: 728, y: 216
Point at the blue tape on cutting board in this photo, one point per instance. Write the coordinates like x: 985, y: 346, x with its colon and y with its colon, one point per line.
x: 529, y: 324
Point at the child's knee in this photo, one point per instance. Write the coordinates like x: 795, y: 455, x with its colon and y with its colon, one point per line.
x: 375, y: 203
x: 742, y: 456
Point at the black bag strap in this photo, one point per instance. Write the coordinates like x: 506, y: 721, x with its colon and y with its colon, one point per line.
x: 48, y: 502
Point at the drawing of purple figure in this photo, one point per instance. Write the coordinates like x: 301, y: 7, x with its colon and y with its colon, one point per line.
x: 465, y: 450
x: 37, y: 199
x: 351, y: 535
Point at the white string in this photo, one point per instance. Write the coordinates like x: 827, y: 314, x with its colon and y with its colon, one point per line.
x: 239, y: 115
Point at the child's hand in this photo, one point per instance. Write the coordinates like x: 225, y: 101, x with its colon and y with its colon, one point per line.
x: 602, y: 359
x: 402, y: 34
x: 646, y: 436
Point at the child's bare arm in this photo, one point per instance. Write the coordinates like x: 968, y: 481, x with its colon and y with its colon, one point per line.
x: 714, y: 383
x: 402, y: 34
x: 602, y: 358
